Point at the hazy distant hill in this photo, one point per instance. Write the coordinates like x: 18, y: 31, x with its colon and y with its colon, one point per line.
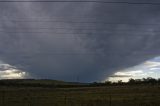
x: 38, y: 83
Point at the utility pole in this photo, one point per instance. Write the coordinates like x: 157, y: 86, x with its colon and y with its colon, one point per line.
x: 77, y: 79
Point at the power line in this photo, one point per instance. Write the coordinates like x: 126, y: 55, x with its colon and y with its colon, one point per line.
x: 77, y: 22
x: 60, y: 54
x: 77, y: 33
x: 72, y: 31
x: 85, y: 22
x: 86, y: 1
x: 44, y: 29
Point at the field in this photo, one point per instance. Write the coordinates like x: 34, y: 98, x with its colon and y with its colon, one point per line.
x: 126, y: 95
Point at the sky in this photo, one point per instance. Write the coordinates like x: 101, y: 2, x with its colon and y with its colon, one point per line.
x: 85, y: 40
x: 149, y: 68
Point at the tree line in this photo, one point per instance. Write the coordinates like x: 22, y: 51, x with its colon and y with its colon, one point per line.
x: 54, y: 84
x: 131, y: 81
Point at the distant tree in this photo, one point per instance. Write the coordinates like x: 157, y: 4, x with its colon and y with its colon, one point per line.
x: 138, y: 81
x: 144, y: 79
x: 131, y: 81
x: 158, y: 80
x: 151, y: 80
x: 108, y: 82
x: 120, y: 82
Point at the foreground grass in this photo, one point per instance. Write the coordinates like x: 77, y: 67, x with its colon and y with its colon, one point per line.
x: 81, y: 96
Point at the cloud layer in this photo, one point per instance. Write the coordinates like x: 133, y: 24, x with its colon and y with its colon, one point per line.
x: 69, y: 40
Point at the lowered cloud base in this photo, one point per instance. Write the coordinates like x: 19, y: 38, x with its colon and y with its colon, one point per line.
x: 88, y: 40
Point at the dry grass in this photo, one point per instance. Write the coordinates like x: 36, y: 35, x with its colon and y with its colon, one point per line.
x: 82, y: 96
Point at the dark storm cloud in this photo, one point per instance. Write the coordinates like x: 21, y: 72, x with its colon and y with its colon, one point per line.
x: 67, y: 40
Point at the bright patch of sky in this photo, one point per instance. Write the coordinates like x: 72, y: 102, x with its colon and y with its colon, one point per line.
x: 11, y: 72
x: 149, y: 68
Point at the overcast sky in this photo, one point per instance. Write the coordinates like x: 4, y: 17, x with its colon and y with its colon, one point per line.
x: 88, y: 40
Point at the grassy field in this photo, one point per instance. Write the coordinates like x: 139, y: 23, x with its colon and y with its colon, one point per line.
x: 136, y: 95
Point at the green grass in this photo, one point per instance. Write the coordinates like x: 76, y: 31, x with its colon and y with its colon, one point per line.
x: 136, y: 95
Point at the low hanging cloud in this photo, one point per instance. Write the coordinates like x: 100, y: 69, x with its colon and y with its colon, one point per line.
x: 121, y: 76
x: 69, y: 40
